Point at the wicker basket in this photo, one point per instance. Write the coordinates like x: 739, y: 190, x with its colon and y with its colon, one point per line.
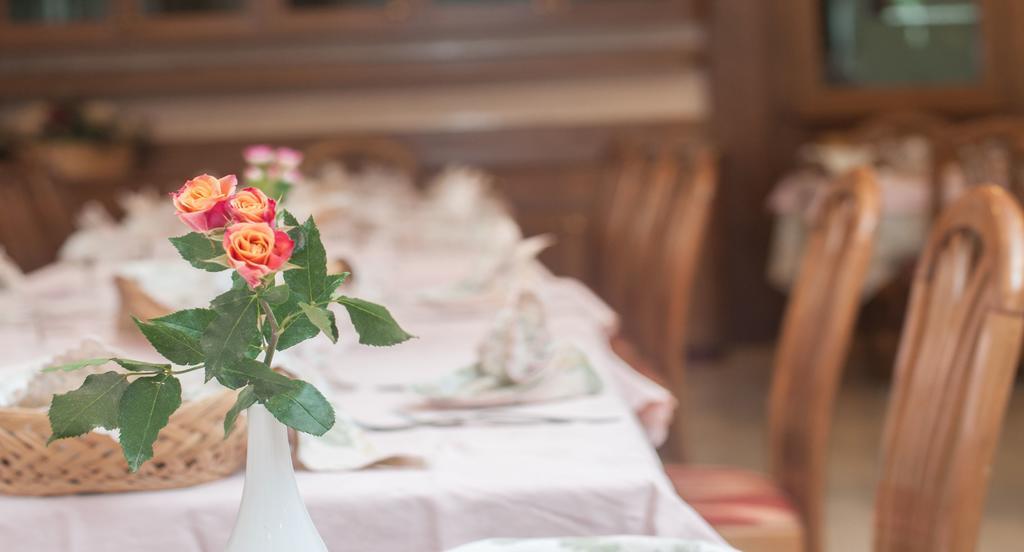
x: 189, y: 451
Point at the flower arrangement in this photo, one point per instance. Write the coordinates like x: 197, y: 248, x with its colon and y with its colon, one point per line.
x: 234, y: 339
x: 275, y: 171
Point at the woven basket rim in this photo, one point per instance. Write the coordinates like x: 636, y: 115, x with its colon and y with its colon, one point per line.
x: 42, y: 410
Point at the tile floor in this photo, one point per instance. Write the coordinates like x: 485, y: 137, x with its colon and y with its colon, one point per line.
x: 730, y: 431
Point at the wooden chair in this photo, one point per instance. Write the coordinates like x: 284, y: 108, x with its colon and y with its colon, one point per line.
x: 783, y: 512
x: 616, y: 215
x: 666, y: 313
x: 987, y: 151
x: 954, y: 373
x: 360, y: 152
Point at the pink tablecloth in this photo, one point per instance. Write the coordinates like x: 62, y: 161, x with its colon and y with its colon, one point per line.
x: 524, y: 481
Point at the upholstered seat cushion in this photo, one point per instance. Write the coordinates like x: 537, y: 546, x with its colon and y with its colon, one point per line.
x: 745, y: 507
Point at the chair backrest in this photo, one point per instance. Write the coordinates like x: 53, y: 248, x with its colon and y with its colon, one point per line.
x: 358, y: 152
x: 958, y: 354
x: 644, y: 236
x: 669, y: 307
x: 816, y: 333
x: 618, y: 214
x: 989, y: 151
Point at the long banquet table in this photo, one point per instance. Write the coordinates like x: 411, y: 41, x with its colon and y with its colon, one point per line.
x: 540, y: 480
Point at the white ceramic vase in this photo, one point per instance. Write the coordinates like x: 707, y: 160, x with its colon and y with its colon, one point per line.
x: 272, y: 516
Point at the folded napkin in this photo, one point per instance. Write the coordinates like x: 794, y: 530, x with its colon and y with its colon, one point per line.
x: 518, y: 362
x: 592, y: 544
x: 494, y: 278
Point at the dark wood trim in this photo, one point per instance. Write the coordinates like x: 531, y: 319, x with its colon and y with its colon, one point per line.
x: 811, y: 97
x: 743, y: 131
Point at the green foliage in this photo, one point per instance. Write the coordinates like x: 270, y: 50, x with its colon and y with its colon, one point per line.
x: 200, y: 251
x: 127, y: 364
x: 246, y: 371
x: 145, y: 408
x: 94, y: 404
x: 177, y: 336
x: 140, y: 366
x: 373, y: 323
x: 310, y: 280
x: 246, y: 398
x: 323, y: 319
x: 78, y: 364
x: 299, y: 327
x: 302, y: 407
x: 276, y: 295
x: 229, y: 337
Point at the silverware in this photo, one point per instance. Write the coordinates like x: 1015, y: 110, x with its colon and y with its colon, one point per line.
x: 484, y: 418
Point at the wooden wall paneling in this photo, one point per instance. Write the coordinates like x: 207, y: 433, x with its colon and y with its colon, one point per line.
x: 743, y: 130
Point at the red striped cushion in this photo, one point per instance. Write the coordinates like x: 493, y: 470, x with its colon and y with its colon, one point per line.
x: 733, y: 497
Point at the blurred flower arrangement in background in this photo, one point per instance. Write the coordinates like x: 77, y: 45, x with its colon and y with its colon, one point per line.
x: 272, y: 170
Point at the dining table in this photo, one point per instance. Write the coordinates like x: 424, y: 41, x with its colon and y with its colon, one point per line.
x: 581, y: 466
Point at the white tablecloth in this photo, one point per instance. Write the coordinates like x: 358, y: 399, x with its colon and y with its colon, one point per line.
x: 580, y: 479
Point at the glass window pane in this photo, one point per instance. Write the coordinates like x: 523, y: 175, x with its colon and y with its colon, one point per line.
x: 190, y: 6
x: 56, y: 11
x: 877, y: 42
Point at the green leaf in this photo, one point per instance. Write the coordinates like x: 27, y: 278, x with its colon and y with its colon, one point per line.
x: 302, y: 407
x: 145, y: 407
x: 199, y: 250
x: 177, y: 335
x: 373, y: 323
x: 299, y: 330
x: 276, y: 295
x: 128, y: 364
x: 175, y: 345
x: 245, y: 371
x: 322, y: 319
x: 94, y: 404
x: 191, y: 321
x: 310, y: 280
x: 237, y: 282
x: 230, y: 336
x: 140, y: 366
x: 78, y: 364
x: 246, y: 398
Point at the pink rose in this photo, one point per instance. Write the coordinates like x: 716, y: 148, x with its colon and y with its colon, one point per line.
x: 252, y: 205
x: 288, y: 158
x: 254, y: 249
x: 260, y: 154
x: 201, y: 203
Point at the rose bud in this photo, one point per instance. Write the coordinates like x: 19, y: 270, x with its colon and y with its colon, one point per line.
x: 202, y: 202
x: 258, y: 155
x: 252, y: 205
x: 254, y: 249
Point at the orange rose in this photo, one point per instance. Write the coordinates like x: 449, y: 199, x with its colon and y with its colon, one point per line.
x: 252, y: 205
x: 202, y: 202
x: 255, y: 249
